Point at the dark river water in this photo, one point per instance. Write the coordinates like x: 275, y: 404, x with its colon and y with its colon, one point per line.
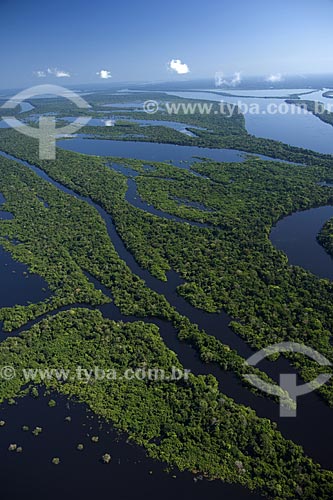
x: 312, y: 428
x: 21, y: 287
x: 81, y: 474
x: 296, y: 235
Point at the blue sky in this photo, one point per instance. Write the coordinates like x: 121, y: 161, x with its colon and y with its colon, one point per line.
x: 135, y: 40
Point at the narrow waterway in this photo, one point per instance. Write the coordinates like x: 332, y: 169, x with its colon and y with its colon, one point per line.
x: 312, y: 428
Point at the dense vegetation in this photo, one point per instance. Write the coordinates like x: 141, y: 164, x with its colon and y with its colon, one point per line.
x: 220, y: 130
x: 230, y: 265
x: 325, y: 237
x: 236, y: 269
x: 79, y: 244
x: 187, y: 423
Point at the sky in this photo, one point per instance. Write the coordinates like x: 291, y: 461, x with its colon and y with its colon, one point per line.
x: 72, y: 41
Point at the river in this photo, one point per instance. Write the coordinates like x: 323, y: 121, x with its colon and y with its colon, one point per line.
x: 311, y: 408
x: 81, y: 474
x: 312, y: 428
x: 291, y: 125
x: 296, y: 236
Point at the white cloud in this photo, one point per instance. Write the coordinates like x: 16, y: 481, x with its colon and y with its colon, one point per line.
x: 178, y: 66
x: 62, y: 74
x: 274, y: 78
x: 233, y: 82
x: 40, y: 74
x: 104, y: 74
x: 58, y: 73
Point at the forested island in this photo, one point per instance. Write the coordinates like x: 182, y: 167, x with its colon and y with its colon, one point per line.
x: 224, y: 258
